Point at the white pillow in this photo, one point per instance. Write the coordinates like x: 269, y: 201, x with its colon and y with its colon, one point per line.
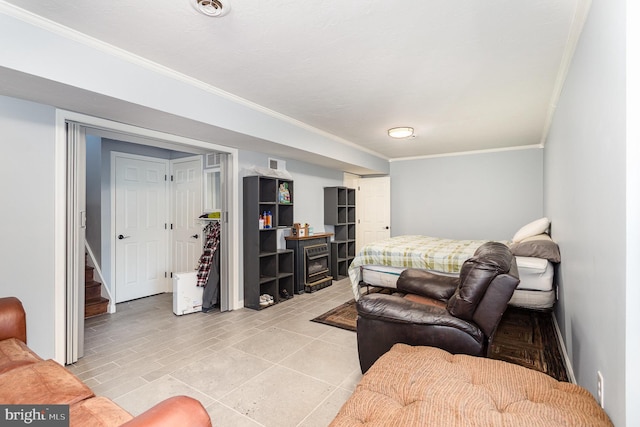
x: 536, y: 227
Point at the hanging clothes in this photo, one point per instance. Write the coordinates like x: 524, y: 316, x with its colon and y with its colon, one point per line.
x: 212, y: 242
x: 209, y: 269
x: 211, y: 291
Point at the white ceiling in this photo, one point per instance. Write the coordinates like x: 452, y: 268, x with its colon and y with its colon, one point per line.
x: 466, y: 74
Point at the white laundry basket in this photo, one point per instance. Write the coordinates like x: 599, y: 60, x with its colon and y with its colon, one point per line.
x: 187, y: 296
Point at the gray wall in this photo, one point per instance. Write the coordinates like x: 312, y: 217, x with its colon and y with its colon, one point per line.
x: 309, y: 183
x: 27, y: 215
x: 585, y: 191
x: 474, y: 196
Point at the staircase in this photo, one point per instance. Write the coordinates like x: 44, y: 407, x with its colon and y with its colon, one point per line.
x: 94, y: 303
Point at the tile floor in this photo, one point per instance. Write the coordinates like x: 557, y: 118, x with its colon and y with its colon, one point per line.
x: 248, y: 368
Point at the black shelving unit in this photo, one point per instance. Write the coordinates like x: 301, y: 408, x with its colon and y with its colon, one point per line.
x: 340, y: 211
x: 267, y: 268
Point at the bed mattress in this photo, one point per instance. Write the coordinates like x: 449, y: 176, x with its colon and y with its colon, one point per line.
x: 533, y: 300
x: 534, y: 291
x: 536, y: 274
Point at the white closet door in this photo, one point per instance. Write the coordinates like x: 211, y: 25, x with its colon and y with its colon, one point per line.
x: 141, y: 227
x: 186, y: 189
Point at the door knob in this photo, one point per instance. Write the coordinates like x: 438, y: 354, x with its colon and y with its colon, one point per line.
x: 195, y: 236
x: 120, y: 237
x: 387, y: 227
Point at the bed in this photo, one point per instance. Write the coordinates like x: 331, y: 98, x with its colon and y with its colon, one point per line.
x: 379, y: 264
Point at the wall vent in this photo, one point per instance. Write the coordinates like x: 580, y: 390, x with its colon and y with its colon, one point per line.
x: 212, y: 160
x: 277, y: 164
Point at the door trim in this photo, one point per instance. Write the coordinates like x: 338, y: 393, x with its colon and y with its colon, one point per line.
x: 60, y: 228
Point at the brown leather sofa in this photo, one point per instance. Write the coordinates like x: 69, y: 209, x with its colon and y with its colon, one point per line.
x: 457, y: 314
x: 26, y: 379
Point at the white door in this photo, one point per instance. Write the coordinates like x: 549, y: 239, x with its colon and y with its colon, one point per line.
x: 141, y: 237
x: 186, y: 189
x: 373, y: 209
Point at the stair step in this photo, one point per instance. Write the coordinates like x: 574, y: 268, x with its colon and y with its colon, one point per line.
x: 94, y: 303
x: 96, y: 308
x: 88, y: 273
x: 92, y: 290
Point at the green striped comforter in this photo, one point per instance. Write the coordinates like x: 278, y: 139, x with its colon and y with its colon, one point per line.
x: 430, y: 253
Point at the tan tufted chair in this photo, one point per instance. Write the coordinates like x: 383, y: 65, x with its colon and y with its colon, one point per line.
x: 427, y: 386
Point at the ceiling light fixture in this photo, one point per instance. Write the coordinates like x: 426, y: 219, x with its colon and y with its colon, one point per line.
x: 214, y: 8
x: 402, y: 132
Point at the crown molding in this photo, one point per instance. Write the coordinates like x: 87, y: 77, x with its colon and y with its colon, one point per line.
x: 579, y: 19
x: 468, y: 153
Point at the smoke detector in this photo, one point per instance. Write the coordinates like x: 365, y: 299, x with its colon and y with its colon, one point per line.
x: 215, y: 8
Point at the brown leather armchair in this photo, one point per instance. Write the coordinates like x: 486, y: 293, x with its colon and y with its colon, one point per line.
x: 458, y: 314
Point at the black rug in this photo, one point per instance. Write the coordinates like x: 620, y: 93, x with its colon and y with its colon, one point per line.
x: 343, y: 316
x: 529, y: 338
x: 524, y: 337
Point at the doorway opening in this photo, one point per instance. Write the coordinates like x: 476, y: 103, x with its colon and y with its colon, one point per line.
x: 65, y: 332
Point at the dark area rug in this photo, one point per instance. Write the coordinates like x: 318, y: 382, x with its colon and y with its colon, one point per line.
x: 343, y: 316
x: 524, y: 337
x: 529, y: 338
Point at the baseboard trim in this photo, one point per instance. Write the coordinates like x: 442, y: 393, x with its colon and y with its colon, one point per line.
x: 563, y: 349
